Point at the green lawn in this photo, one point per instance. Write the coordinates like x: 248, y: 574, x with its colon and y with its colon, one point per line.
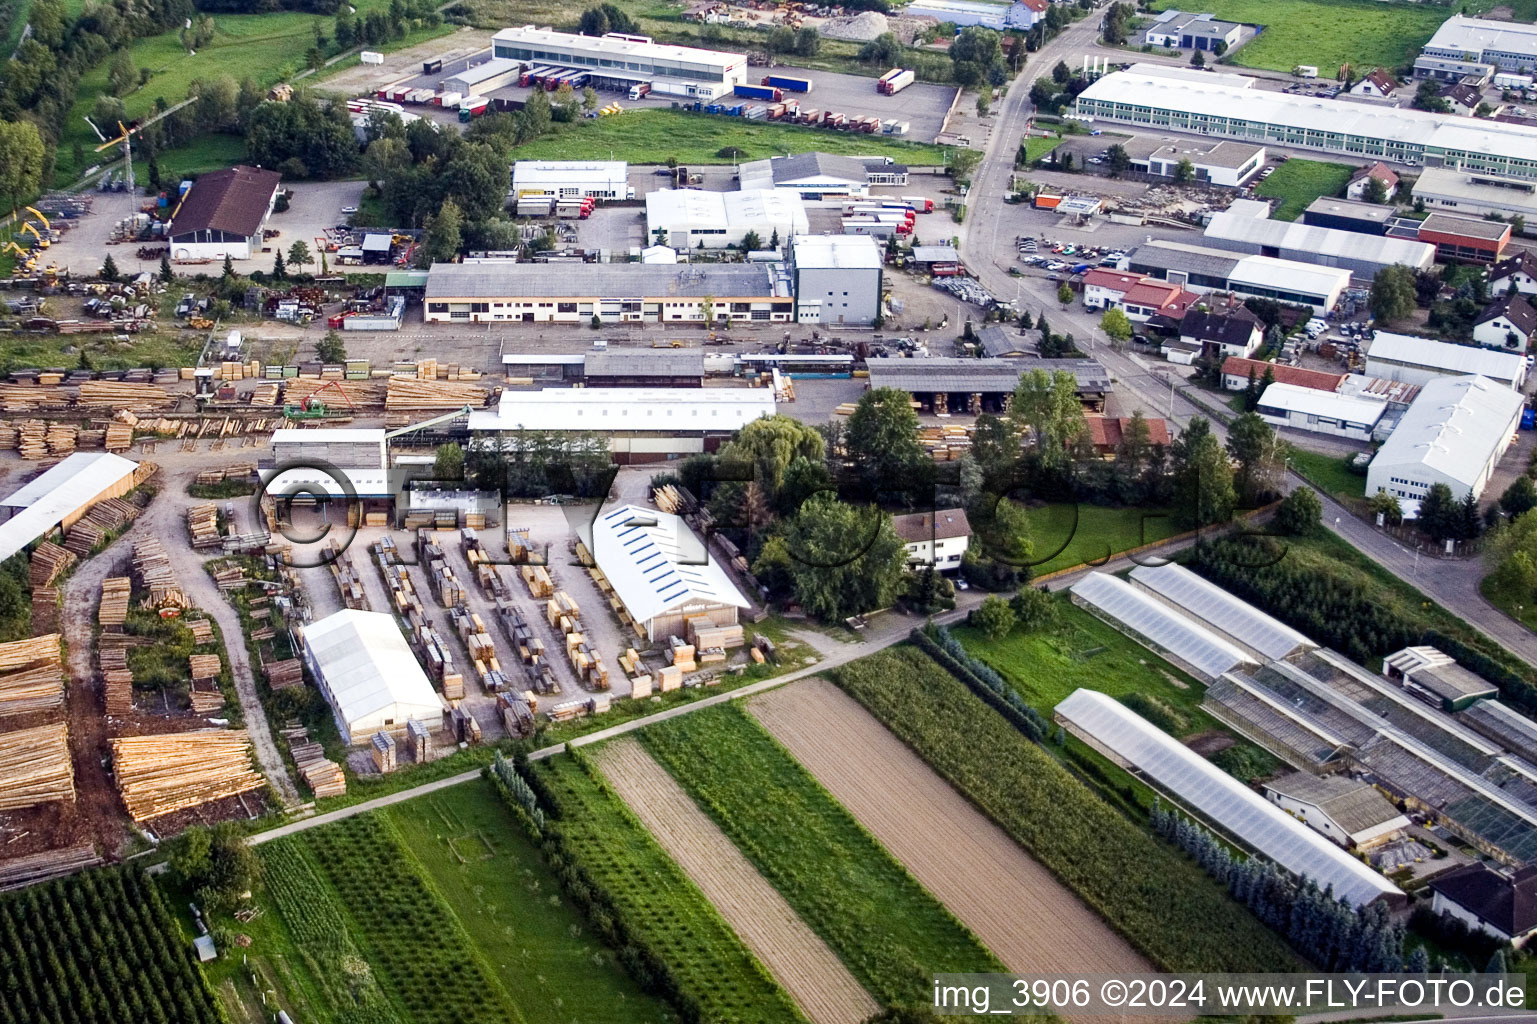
x: 100, y: 350
x: 499, y: 887
x: 1298, y: 182
x: 879, y: 921
x: 1328, y: 33
x: 1518, y: 606
x: 651, y: 136
x: 1067, y: 535
x: 1037, y: 147
x: 1328, y: 473
x: 205, y: 153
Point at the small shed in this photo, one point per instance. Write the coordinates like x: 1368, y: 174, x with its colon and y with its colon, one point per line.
x: 1437, y: 679
x: 377, y: 246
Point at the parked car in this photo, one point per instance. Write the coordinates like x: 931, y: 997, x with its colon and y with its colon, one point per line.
x: 348, y: 211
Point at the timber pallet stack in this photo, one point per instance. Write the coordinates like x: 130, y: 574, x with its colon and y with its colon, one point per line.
x: 117, y: 680
x: 34, y: 677
x: 419, y: 739
x: 160, y: 774
x: 119, y: 437
x: 61, y: 439
x: 204, y: 671
x: 154, y: 570
x: 32, y: 439
x: 48, y: 560
x: 348, y: 583
x: 115, y: 591
x: 410, y: 393
x: 325, y: 777
x: 116, y: 394
x: 382, y: 746
x: 202, y: 630
x: 203, y: 526
x: 35, y: 767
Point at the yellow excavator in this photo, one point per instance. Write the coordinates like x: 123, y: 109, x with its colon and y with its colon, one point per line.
x: 41, y: 243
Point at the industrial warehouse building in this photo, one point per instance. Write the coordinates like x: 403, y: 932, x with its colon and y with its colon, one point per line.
x: 1465, y: 239
x: 1454, y: 433
x: 572, y: 179
x: 945, y: 383
x: 639, y: 424
x: 1223, y: 162
x: 818, y: 176
x: 337, y: 446
x: 1157, y: 625
x: 1350, y: 812
x: 485, y: 77
x: 61, y: 495
x: 1477, y: 195
x: 691, y: 217
x: 614, y: 292
x: 1246, y: 227
x: 1195, y: 783
x: 1421, y: 360
x: 222, y: 215
x: 1202, y: 269
x: 364, y: 668
x: 1477, y: 44
x: 661, y: 572
x: 1321, y: 412
x: 1227, y: 106
x: 1348, y: 215
x: 837, y: 278
x: 621, y: 60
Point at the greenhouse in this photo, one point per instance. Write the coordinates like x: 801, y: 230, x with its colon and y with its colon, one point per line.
x: 1198, y: 785
x: 1235, y: 619
x: 1154, y: 624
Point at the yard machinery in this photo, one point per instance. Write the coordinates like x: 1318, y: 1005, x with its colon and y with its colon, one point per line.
x: 312, y: 407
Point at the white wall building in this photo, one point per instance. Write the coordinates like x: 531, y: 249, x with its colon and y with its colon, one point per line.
x: 693, y: 218
x: 1507, y: 323
x: 1519, y: 270
x: 222, y: 215
x: 572, y: 179
x: 1477, y: 194
x: 1350, y: 812
x: 1488, y: 901
x: 485, y: 77
x: 939, y: 539
x: 823, y: 176
x: 1506, y: 45
x: 628, y: 60
x: 1321, y: 412
x: 1454, y: 433
x: 61, y: 495
x: 1246, y: 227
x: 1421, y: 360
x: 837, y: 278
x: 1203, y: 269
x: 365, y: 670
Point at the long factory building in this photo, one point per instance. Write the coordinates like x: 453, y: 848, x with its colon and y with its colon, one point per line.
x: 617, y: 59
x: 1229, y: 106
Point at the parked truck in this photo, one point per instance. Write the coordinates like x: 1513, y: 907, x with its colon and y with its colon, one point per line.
x: 761, y: 92
x: 788, y: 83
x: 920, y: 204
x: 894, y: 81
x: 639, y: 90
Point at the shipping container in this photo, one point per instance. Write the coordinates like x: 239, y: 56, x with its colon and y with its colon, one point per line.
x: 432, y: 66
x: 788, y: 83
x: 760, y: 92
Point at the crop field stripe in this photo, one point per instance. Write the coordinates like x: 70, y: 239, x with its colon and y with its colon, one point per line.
x: 841, y: 881
x: 1149, y: 892
x: 795, y: 955
x: 1027, y: 917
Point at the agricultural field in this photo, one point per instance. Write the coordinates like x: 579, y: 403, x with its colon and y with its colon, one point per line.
x: 797, y: 958
x: 658, y: 909
x: 1163, y: 903
x: 652, y: 136
x: 1028, y: 918
x: 105, y: 946
x: 839, y: 879
x: 1327, y: 33
x: 1068, y: 534
x: 1298, y: 182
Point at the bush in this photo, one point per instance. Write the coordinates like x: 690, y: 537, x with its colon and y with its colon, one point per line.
x: 1300, y: 513
x: 1160, y: 713
x: 993, y: 617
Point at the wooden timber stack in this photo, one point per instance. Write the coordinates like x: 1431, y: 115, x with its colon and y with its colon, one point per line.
x: 37, y: 650
x: 419, y: 739
x: 33, y: 678
x: 119, y: 437
x: 116, y: 679
x: 61, y: 439
x: 19, y: 872
x: 47, y: 561
x: 116, y: 394
x: 382, y: 746
x: 115, y: 591
x: 322, y: 775
x: 206, y: 697
x: 412, y: 393
x: 112, y: 514
x: 32, y: 439
x: 202, y: 631
x: 203, y: 526
x: 160, y: 774
x: 156, y: 575
x: 205, y: 666
x: 35, y: 767
x: 83, y: 537
x: 360, y: 392
x: 283, y: 674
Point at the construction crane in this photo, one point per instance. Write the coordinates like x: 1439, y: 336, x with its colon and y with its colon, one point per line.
x: 125, y: 137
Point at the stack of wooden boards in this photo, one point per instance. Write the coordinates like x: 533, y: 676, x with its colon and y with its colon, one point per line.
x: 116, y: 678
x: 712, y: 641
x: 347, y: 582
x: 160, y: 774
x: 35, y: 767
x: 683, y: 655
x: 673, y: 500
x: 203, y: 526
x: 323, y: 776
x: 537, y: 578
x: 283, y: 674
x: 424, y: 639
x: 104, y: 517
x: 118, y: 394
x: 419, y: 739
x: 204, y: 671
x: 201, y: 629
x: 382, y: 746
x: 357, y: 392
x: 19, y: 872
x: 414, y: 393
x: 119, y: 436
x: 564, y: 615
x: 472, y: 633
x: 47, y: 561
x: 115, y: 591
x: 440, y: 575
x: 33, y: 676
x: 153, y: 568
x: 234, y: 471
x: 635, y: 669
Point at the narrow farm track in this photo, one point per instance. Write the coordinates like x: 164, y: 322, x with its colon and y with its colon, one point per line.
x: 1029, y: 919
x: 797, y: 958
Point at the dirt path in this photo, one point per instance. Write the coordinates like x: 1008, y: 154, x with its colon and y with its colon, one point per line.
x: 1014, y: 905
x: 797, y: 958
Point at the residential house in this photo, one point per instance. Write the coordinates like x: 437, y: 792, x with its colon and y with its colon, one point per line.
x: 939, y: 539
x: 1233, y: 332
x: 1235, y: 375
x: 1463, y: 98
x: 1519, y: 270
x: 1104, y: 289
x: 1507, y: 322
x: 1376, y: 83
x: 1149, y: 298
x: 1504, y: 906
x: 1382, y: 172
x: 1107, y: 432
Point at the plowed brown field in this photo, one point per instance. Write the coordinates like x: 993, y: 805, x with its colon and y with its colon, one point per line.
x: 797, y: 958
x: 1029, y: 919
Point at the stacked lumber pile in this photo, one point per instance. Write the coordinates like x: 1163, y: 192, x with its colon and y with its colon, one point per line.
x: 20, y: 872
x: 419, y: 740
x: 154, y: 570
x: 7, y: 437
x: 944, y: 444
x: 83, y: 537
x: 119, y: 437
x: 117, y: 680
x: 360, y: 392
x: 61, y: 439
x: 537, y: 578
x: 112, y: 513
x: 382, y: 746
x: 32, y: 439
x: 671, y: 500
x: 710, y: 640
x: 117, y: 394
x: 203, y: 526
x: 207, y: 698
x: 48, y: 560
x: 204, y: 666
x: 266, y: 394
x: 160, y: 774
x: 115, y: 591
x: 411, y: 393
x: 683, y: 655
x: 230, y: 577
x: 33, y: 678
x: 35, y: 767
x: 323, y: 776
x: 202, y: 631
x: 21, y: 398
x: 283, y: 674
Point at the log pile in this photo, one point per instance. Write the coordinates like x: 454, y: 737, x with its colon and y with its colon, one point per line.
x: 35, y: 767
x: 48, y: 560
x: 410, y: 393
x: 22, y: 398
x: 37, y: 650
x: 160, y: 774
x: 112, y: 513
x: 360, y: 392
x: 202, y: 631
x: 673, y: 500
x: 206, y: 696
x: 47, y: 865
x: 32, y: 690
x: 203, y: 526
x: 115, y: 591
x: 266, y: 394
x: 118, y: 394
x: 83, y: 538
x: 204, y: 666
x: 325, y: 777
x: 119, y: 437
x: 153, y: 568
x: 283, y: 674
x: 117, y: 680
x: 234, y: 471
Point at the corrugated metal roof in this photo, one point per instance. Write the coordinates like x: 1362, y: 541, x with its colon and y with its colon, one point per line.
x: 235, y: 200
x: 1258, y: 232
x: 1353, y: 805
x: 656, y: 563
x: 598, y: 280
x: 369, y: 667
x: 1221, y: 799
x: 1313, y: 402
x: 1155, y: 623
x: 61, y: 490
x: 645, y: 363
x: 1454, y: 427
x: 953, y: 373
x: 1444, y: 355
x: 661, y: 410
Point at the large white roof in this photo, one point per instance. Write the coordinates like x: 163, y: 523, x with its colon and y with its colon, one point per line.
x: 607, y: 409
x: 328, y: 435
x: 690, y: 208
x: 1444, y: 355
x: 1238, y: 226
x: 1475, y: 35
x: 369, y: 667
x: 1313, y: 402
x: 656, y: 563
x: 842, y: 252
x: 1221, y: 610
x: 1306, y: 278
x: 529, y: 173
x: 618, y: 49
x: 303, y: 482
x: 61, y: 490
x: 1221, y: 799
x: 1159, y: 625
x: 1454, y: 426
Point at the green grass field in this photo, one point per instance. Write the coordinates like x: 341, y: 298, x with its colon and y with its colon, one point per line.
x: 205, y: 153
x: 1298, y: 182
x: 1328, y: 33
x: 1097, y: 533
x: 1037, y: 147
x: 651, y: 136
x: 100, y: 350
x: 499, y: 887
x: 1328, y: 473
x: 878, y: 920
